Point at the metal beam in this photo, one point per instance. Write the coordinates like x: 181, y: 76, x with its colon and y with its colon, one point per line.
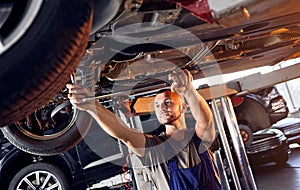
x: 259, y: 81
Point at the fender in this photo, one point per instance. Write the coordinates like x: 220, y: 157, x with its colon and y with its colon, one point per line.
x: 106, y: 11
x: 20, y: 159
x: 258, y: 99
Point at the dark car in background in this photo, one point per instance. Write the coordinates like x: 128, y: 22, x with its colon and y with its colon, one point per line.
x: 95, y: 159
x: 258, y: 110
x: 256, y: 113
x: 290, y: 127
x: 268, y: 145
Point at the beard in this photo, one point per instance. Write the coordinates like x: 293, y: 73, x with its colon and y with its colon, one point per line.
x: 170, y: 119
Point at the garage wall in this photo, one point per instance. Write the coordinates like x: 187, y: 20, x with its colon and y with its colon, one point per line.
x: 290, y: 90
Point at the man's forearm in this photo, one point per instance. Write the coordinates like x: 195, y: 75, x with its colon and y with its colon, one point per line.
x: 115, y: 127
x: 202, y: 113
x: 198, y: 106
x: 108, y: 120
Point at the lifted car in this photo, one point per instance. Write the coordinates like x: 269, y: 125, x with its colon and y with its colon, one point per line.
x: 258, y: 110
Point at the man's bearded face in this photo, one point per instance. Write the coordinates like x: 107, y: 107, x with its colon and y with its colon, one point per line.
x: 168, y: 107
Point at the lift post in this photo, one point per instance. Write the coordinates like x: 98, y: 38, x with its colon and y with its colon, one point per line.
x: 243, y: 179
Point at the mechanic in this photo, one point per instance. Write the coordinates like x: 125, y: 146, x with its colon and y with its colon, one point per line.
x: 178, y: 158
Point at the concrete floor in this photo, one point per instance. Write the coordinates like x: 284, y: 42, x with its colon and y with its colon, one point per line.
x: 272, y: 177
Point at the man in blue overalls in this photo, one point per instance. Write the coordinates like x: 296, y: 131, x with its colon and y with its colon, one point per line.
x: 179, y: 157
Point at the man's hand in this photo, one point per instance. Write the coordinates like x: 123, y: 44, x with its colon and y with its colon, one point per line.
x: 182, y: 81
x: 110, y: 123
x: 77, y: 94
x: 182, y: 84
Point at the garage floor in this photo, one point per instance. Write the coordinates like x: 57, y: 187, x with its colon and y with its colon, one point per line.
x: 271, y: 177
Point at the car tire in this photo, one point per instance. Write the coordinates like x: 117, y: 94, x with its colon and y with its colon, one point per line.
x: 281, y: 159
x: 246, y: 134
x: 254, y: 113
x: 43, y: 49
x: 49, y: 144
x: 36, y: 175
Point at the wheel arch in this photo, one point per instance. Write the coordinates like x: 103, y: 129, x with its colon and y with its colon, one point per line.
x: 254, y: 112
x: 19, y: 159
x: 12, y: 158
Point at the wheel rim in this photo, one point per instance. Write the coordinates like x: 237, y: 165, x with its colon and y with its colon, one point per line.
x: 244, y: 135
x: 13, y: 25
x: 39, y: 180
x: 41, y: 126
